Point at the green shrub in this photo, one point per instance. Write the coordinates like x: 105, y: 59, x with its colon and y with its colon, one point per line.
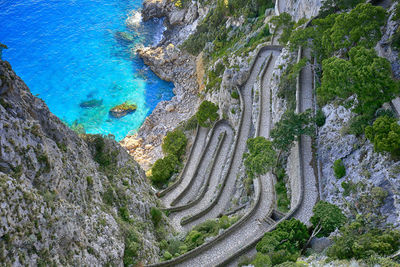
x: 261, y: 157
x: 339, y: 169
x: 163, y: 169
x: 385, y: 135
x: 89, y: 180
x: 285, y: 242
x: 190, y: 124
x: 235, y: 95
x: 358, y: 240
x: 175, y: 143
x: 261, y: 260
x: 194, y: 239
x: 320, y: 118
x: 124, y: 214
x: 327, y: 218
x: 167, y: 255
x: 207, y: 113
x: 156, y: 215
x: 283, y: 201
x: 131, y: 249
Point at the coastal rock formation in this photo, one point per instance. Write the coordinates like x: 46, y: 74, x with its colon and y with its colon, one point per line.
x: 122, y: 110
x: 67, y: 200
x: 170, y: 64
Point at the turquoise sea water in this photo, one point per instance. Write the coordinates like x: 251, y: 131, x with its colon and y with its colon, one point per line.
x: 68, y: 51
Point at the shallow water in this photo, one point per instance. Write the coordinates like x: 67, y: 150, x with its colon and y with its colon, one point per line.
x: 68, y: 52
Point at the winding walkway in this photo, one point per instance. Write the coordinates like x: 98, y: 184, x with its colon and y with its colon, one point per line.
x: 189, y: 169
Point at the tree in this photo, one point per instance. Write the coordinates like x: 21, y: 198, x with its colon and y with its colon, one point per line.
x: 358, y: 240
x: 207, y: 113
x: 261, y: 260
x: 174, y: 143
x: 285, y: 242
x: 385, y: 135
x: 290, y: 127
x: 163, y: 169
x: 364, y: 74
x: 156, y: 215
x: 326, y: 218
x: 261, y: 156
x: 333, y: 6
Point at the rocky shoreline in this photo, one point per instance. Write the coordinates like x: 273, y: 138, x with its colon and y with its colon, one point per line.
x: 170, y: 64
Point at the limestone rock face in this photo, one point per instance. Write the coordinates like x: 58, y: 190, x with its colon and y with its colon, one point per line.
x: 61, y: 194
x: 363, y: 166
x: 299, y: 9
x: 165, y: 8
x: 170, y: 64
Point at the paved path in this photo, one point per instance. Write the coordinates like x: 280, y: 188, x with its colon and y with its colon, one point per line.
x: 241, y: 147
x: 210, y: 171
x: 188, y: 173
x: 310, y: 195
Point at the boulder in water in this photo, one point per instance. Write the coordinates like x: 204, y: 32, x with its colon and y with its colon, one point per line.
x: 91, y: 103
x: 122, y: 110
x: 124, y: 37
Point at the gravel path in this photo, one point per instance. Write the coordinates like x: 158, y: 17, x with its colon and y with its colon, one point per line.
x: 310, y: 194
x: 190, y: 169
x: 213, y: 174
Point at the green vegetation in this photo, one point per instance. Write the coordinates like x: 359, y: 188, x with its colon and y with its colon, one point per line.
x: 287, y: 85
x: 361, y: 241
x: 340, y: 32
x: 235, y: 95
x: 334, y: 6
x: 326, y: 219
x: 174, y: 146
x: 156, y: 215
x: 175, y: 143
x: 339, y: 169
x: 163, y: 169
x: 131, y: 248
x: 385, y: 135
x: 284, y: 243
x: 126, y: 106
x: 196, y: 237
x: 285, y: 23
x: 261, y: 157
x: 290, y: 127
x: 207, y: 113
x: 282, y: 200
x: 365, y: 74
x: 320, y: 118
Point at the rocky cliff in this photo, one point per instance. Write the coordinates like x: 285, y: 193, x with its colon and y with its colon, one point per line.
x: 66, y: 199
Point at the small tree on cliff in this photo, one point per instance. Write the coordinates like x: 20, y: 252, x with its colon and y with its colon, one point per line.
x: 261, y: 156
x: 2, y: 46
x: 207, y: 113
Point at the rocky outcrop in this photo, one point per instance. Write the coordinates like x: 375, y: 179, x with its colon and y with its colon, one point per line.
x: 170, y: 64
x: 66, y: 199
x: 365, y: 168
x: 172, y: 11
x: 299, y: 9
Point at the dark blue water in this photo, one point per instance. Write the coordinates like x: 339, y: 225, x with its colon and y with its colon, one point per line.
x: 68, y: 51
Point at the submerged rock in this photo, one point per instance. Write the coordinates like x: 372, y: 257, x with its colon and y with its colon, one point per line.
x: 122, y: 110
x: 124, y: 37
x: 91, y: 103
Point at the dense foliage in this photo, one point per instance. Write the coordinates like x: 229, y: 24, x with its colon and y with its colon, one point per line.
x: 261, y: 157
x: 339, y: 169
x: 360, y: 241
x: 290, y: 127
x: 285, y: 242
x: 174, y: 143
x: 207, y: 113
x: 334, y: 6
x: 163, y: 169
x: 326, y: 218
x: 385, y: 135
x: 365, y: 74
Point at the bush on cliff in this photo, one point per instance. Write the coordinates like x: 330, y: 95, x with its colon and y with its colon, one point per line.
x: 207, y: 113
x: 163, y: 169
x: 174, y: 143
x: 261, y: 157
x: 385, y: 135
